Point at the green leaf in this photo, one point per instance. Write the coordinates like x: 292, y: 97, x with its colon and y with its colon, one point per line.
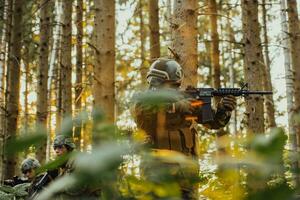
x: 270, y: 146
x: 22, y: 143
x: 278, y: 192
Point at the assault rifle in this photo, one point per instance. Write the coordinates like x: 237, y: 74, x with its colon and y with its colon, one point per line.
x: 202, y: 99
x: 15, y: 181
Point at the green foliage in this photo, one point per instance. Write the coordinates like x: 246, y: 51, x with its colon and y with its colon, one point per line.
x: 16, y: 192
x: 248, y: 168
x: 25, y: 141
x: 157, y: 99
x: 271, y: 147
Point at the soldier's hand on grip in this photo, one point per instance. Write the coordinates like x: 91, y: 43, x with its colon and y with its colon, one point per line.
x: 227, y: 103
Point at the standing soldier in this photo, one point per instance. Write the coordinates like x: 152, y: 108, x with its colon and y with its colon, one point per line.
x: 167, y: 127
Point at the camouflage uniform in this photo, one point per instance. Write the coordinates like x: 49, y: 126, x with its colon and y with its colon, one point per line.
x: 62, y: 140
x: 78, y: 191
x: 36, y: 184
x: 166, y: 126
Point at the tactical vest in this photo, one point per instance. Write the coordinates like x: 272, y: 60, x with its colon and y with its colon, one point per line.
x: 168, y: 131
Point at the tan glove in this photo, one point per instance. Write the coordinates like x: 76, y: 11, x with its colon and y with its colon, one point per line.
x: 227, y: 103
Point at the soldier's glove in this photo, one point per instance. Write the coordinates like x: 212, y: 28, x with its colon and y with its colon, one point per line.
x: 183, y: 106
x: 228, y: 103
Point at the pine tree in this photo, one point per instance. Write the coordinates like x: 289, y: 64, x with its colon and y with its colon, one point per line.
x: 66, y: 59
x: 143, y: 68
x: 154, y: 30
x: 215, y: 52
x: 253, y: 65
x: 184, y: 28
x: 294, y: 33
x: 104, y: 70
x: 13, y: 81
x: 42, y: 87
x: 79, y: 68
x: 269, y: 102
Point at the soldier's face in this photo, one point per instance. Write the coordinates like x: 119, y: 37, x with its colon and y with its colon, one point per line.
x: 29, y: 174
x: 60, y: 150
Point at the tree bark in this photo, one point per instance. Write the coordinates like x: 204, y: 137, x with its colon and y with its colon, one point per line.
x: 13, y: 84
x: 144, y: 68
x: 42, y: 87
x: 184, y: 29
x: 79, y: 68
x: 215, y: 52
x: 289, y: 77
x: 5, y: 40
x: 66, y: 59
x: 154, y: 30
x: 269, y: 102
x: 104, y: 70
x: 253, y: 65
x: 231, y: 69
x: 294, y: 33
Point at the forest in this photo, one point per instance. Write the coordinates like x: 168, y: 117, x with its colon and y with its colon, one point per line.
x: 73, y: 74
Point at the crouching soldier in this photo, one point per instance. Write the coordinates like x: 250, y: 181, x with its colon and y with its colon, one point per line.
x: 27, y: 171
x: 38, y: 180
x: 65, y: 147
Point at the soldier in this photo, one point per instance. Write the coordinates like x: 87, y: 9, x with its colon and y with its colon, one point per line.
x: 28, y: 168
x: 64, y: 145
x: 166, y: 127
x: 38, y: 181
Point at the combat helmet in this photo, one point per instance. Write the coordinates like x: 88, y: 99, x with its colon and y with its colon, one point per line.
x: 28, y: 164
x: 164, y: 70
x: 61, y: 140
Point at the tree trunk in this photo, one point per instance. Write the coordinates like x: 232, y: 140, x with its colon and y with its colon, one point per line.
x: 154, y: 30
x: 289, y: 77
x: 294, y: 33
x: 42, y: 87
x: 58, y: 98
x: 143, y: 68
x: 13, y: 84
x: 253, y: 65
x: 214, y: 50
x: 26, y: 92
x: 54, y: 63
x: 231, y: 69
x: 214, y: 53
x: 79, y: 68
x: 5, y: 39
x: 66, y: 60
x: 269, y: 102
x: 104, y: 70
x: 184, y: 28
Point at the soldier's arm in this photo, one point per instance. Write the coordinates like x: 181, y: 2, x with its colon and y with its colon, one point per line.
x: 221, y: 118
x: 222, y: 113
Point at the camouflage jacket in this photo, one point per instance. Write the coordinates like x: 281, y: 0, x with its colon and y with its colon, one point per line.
x: 170, y: 130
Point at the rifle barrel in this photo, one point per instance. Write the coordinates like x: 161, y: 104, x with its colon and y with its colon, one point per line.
x: 238, y: 92
x: 258, y: 92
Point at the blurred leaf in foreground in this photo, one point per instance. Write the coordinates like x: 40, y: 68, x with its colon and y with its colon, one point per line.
x: 270, y: 146
x: 25, y: 141
x: 92, y: 171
